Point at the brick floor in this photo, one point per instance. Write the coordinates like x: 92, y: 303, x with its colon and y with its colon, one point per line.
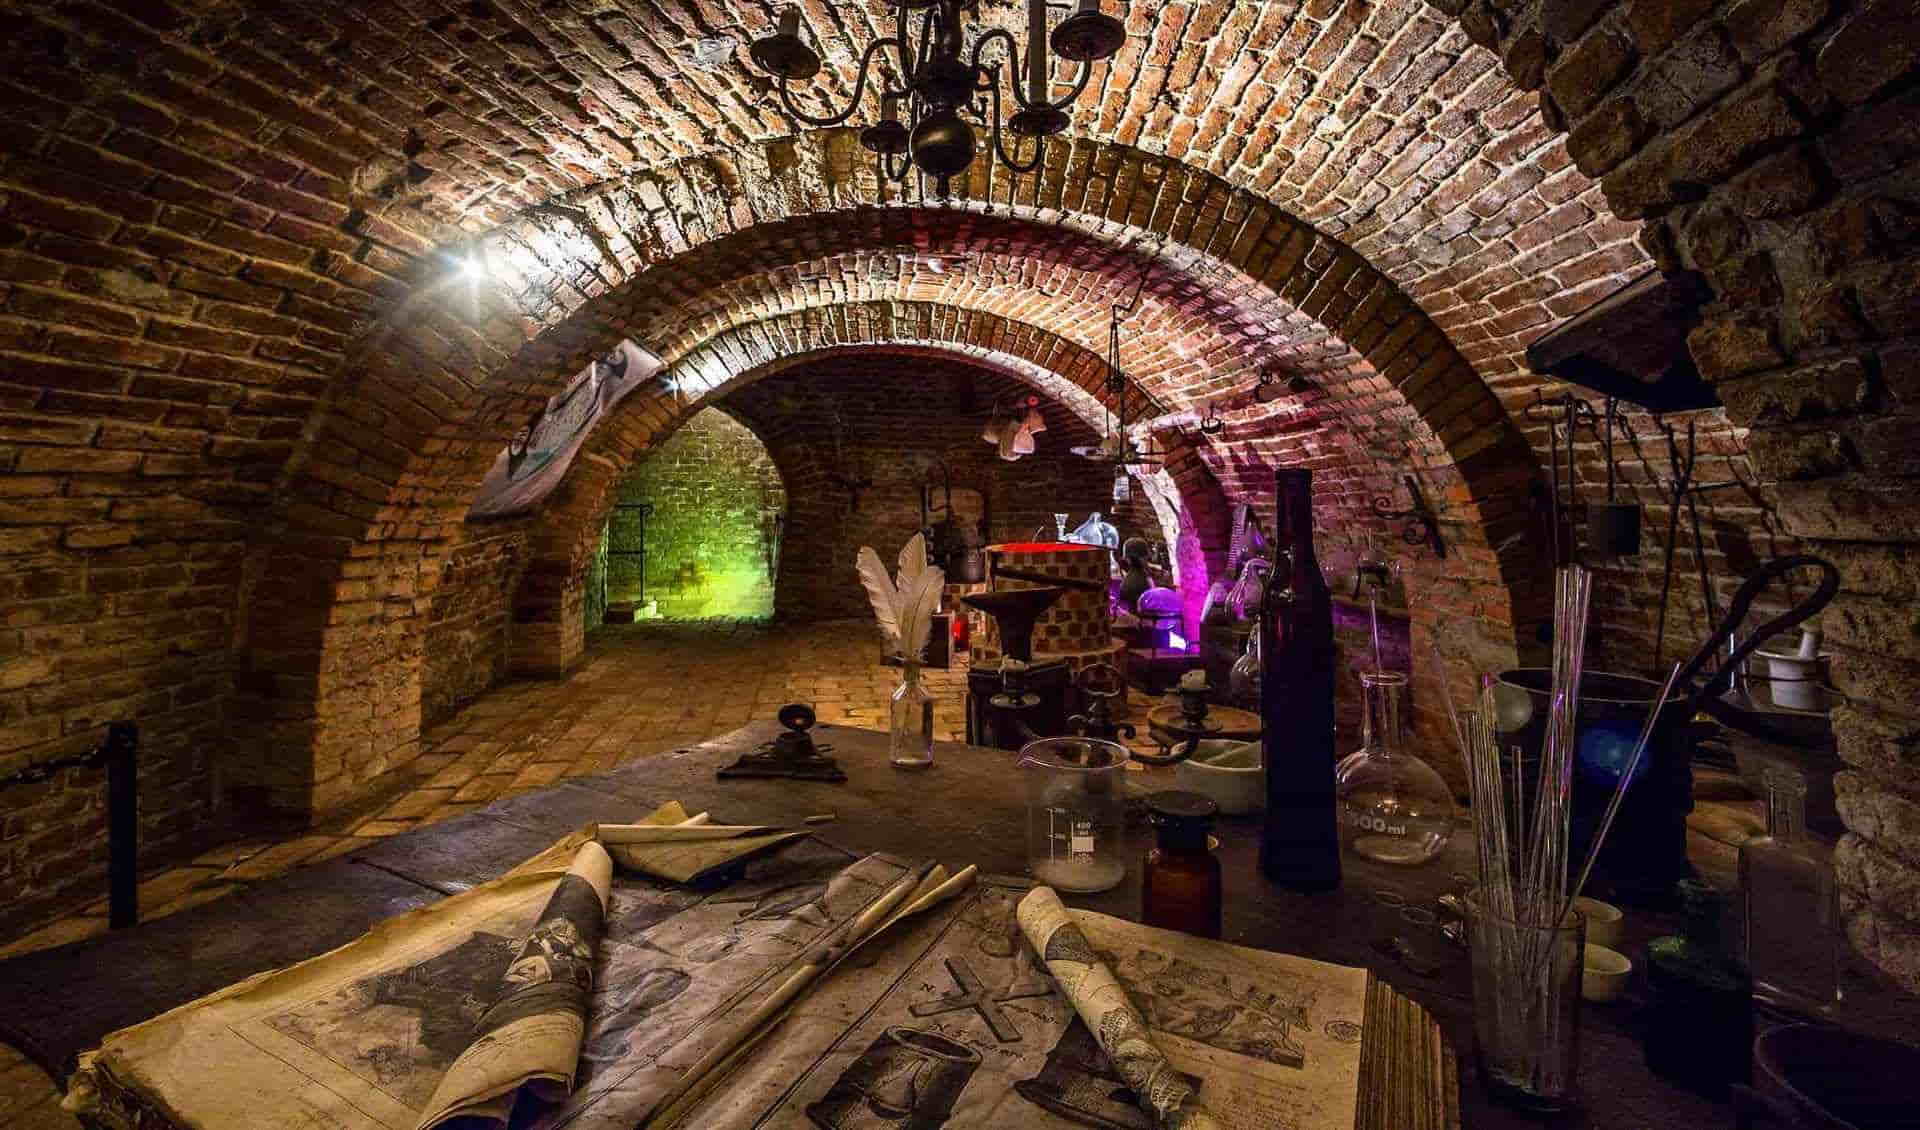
x: 643, y: 689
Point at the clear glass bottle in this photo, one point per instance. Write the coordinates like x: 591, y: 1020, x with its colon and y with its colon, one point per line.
x: 1791, y: 905
x: 1243, y: 682
x: 1180, y: 888
x: 1394, y: 808
x: 910, y: 718
x: 1699, y: 1027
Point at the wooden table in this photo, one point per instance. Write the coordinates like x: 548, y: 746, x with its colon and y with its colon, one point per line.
x: 968, y: 809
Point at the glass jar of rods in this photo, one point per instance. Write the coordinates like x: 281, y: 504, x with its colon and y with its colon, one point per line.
x: 1527, y: 939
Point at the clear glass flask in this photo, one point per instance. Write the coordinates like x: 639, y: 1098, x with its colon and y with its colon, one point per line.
x: 1075, y: 802
x: 1393, y: 807
x: 1791, y: 905
x: 910, y: 722
x: 1243, y: 681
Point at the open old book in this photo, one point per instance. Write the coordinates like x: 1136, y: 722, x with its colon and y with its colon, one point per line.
x: 952, y: 1019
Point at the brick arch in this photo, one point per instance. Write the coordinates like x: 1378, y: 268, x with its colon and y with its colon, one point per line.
x: 547, y: 606
x: 566, y: 279
x: 205, y: 249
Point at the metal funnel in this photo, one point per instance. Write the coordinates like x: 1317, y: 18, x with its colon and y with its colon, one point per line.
x: 1015, y: 611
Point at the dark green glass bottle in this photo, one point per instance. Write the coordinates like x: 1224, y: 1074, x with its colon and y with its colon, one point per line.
x: 1699, y: 1028
x: 1300, y: 841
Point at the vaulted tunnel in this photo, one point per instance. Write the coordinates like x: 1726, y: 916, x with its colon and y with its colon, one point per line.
x: 249, y: 386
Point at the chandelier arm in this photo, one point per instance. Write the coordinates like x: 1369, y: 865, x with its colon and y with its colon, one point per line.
x: 859, y: 88
x: 1000, y: 149
x: 908, y: 64
x: 1079, y: 87
x: 990, y: 75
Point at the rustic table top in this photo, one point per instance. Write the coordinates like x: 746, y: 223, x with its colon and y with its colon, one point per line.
x: 969, y: 808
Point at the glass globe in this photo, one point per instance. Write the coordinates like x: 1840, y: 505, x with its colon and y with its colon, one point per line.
x: 1393, y: 807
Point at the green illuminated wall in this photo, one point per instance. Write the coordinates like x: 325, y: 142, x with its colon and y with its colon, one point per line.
x: 716, y: 496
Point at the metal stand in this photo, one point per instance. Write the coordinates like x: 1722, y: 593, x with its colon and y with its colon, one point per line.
x: 792, y: 754
x: 118, y: 754
x: 1098, y: 721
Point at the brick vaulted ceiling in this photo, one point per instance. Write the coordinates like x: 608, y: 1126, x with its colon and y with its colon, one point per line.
x: 251, y: 397
x: 245, y: 397
x: 230, y: 319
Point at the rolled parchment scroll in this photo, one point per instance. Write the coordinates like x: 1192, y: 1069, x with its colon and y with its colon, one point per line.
x: 1103, y: 1006
x: 530, y: 1037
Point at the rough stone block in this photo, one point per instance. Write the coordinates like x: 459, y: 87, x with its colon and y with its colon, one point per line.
x: 1657, y: 23
x: 1730, y: 346
x: 1687, y: 77
x: 1584, y: 74
x: 1874, y: 48
x: 1607, y: 137
x: 1761, y: 27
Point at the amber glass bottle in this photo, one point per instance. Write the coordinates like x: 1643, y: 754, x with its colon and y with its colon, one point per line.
x: 1181, y: 890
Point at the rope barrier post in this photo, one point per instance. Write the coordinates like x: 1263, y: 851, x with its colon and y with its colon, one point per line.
x: 120, y: 752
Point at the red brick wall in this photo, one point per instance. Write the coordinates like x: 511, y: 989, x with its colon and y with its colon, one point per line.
x: 715, y: 491
x: 226, y: 328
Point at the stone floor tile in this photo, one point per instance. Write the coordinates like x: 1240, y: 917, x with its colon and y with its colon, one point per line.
x: 482, y: 788
x: 513, y: 760
x: 449, y: 810
x: 543, y: 773
x: 416, y: 804
x: 279, y: 858
x: 227, y: 855
x: 55, y: 934
x: 428, y: 764
x: 170, y: 885
x: 193, y: 898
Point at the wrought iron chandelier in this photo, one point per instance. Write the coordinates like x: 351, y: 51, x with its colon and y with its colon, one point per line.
x: 1118, y: 448
x: 943, y: 82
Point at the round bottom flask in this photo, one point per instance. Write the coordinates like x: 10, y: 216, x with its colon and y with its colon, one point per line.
x: 1393, y: 807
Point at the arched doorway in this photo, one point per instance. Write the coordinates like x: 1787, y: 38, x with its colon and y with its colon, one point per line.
x: 695, y: 531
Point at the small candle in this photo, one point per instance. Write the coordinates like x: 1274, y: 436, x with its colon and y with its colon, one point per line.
x: 1195, y: 680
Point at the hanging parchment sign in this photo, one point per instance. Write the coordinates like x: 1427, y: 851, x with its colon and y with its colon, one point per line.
x: 537, y: 457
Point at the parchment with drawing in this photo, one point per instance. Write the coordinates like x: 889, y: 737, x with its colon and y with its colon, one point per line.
x: 951, y: 1021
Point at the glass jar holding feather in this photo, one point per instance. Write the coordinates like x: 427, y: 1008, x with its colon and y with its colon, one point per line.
x: 904, y: 605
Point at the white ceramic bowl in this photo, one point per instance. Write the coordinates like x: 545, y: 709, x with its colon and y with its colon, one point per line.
x: 1228, y: 772
x: 1603, y: 921
x: 1604, y: 974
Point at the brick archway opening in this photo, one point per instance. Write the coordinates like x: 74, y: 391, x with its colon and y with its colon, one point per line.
x: 1185, y: 511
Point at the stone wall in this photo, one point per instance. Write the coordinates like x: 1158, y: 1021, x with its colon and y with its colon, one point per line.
x: 716, y: 498
x: 1774, y: 146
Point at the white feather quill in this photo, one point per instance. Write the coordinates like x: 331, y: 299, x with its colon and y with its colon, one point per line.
x: 883, y: 594
x: 917, y: 602
x: 904, y: 603
x: 913, y: 562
